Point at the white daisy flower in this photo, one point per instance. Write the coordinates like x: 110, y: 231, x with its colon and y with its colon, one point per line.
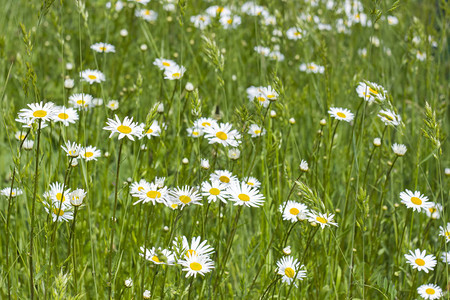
x: 290, y: 269
x: 392, y: 20
x: 174, y: 72
x: 201, y: 21
x: 77, y: 197
x: 38, y: 111
x: 127, y: 128
x: 204, y: 164
x: 430, y: 291
x: 389, y: 117
x: 258, y: 94
x: 229, y: 21
x: 65, y: 115
x: 153, y: 131
x: 28, y: 144
x: 14, y: 193
x: 234, y: 153
x: 71, y: 149
x: 141, y: 1
x: 138, y: 187
x: 81, y: 101
x: 90, y: 153
x: 252, y: 182
x: 434, y: 211
x: 312, y: 68
x: 112, y: 104
x: 304, y: 166
x: 195, y: 247
x: 204, y: 123
x: 194, y: 132
x: 215, y: 190
x: 223, y: 134
x: 341, y: 114
x: 20, y: 135
x: 243, y: 194
x: 252, y: 9
x: 59, y: 213
x: 294, y: 33
x: 197, y: 264
x: 163, y: 63
x: 118, y: 6
x: 256, y: 131
x: 103, y: 48
x: 146, y: 14
x: 445, y: 232
x: 446, y: 257
x: 262, y: 50
x: 322, y: 219
x: 421, y: 55
x: 276, y: 55
x: 399, y: 149
x: 294, y: 211
x: 58, y: 194
x: 420, y: 261
x: 150, y: 192
x: 185, y: 196
x: 158, y: 256
x: 92, y: 76
x: 416, y: 200
x: 224, y: 176
x: 371, y: 92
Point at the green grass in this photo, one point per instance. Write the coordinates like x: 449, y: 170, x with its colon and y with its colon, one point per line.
x: 362, y: 258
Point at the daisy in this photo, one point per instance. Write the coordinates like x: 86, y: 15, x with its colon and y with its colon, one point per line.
x: 322, y: 219
x: 304, y: 166
x: 420, y: 261
x: 28, y: 144
x: 243, y: 194
x: 90, y: 153
x: 276, y: 55
x: 290, y: 269
x: 399, y: 149
x: 201, y: 21
x: 294, y: 211
x: 14, y: 193
x: 252, y: 182
x: 28, y: 123
x: 255, y: 131
x: 216, y: 11
x: 229, y: 21
x: 252, y: 9
x: 312, y: 68
x: 223, y: 134
x: 126, y: 128
x: 159, y: 181
x: 446, y: 257
x: 77, y: 197
x: 214, y: 191
x: 138, y: 187
x: 153, y: 131
x: 103, y: 48
x: 92, y: 76
x: 197, y: 264
x: 150, y: 192
x: 58, y: 194
x: 234, y: 153
x: 434, y: 211
x: 262, y: 50
x: 174, y: 72
x: 204, y: 123
x: 392, y: 20
x: 118, y: 5
x: 71, y: 149
x: 38, y: 111
x: 113, y: 104
x: 185, y: 196
x: 195, y: 247
x: 60, y: 214
x: 141, y: 1
x: 81, y: 101
x: 158, y: 256
x: 294, y: 33
x: 20, y: 135
x: 389, y: 117
x: 223, y: 176
x: 147, y: 14
x: 204, y: 164
x: 416, y: 200
x: 194, y: 132
x: 445, y: 232
x: 371, y: 91
x: 429, y: 291
x: 163, y: 63
x: 341, y: 114
x: 257, y: 93
x: 65, y: 115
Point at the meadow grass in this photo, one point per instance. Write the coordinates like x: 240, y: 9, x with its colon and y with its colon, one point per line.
x: 347, y: 168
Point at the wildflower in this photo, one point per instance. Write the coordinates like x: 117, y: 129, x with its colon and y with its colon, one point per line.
x: 71, y: 149
x: 446, y: 257
x: 195, y: 247
x: 126, y: 128
x: 290, y: 269
x: 81, y: 101
x: 197, y: 264
x: 103, y: 48
x: 149, y: 192
x: 420, y: 261
x: 392, y: 20
x: 223, y: 134
x: 416, y: 200
x: 189, y: 87
x: 65, y: 115
x: 38, y: 111
x: 287, y: 250
x: 174, y: 72
x: 92, y: 76
x: 445, y: 232
x: 292, y: 121
x: 20, y: 135
x: 90, y: 153
x: 421, y: 55
x: 194, y: 132
x: 201, y: 21
x: 77, y: 197
x: 389, y: 117
x: 276, y: 55
x: 58, y: 194
x: 128, y: 283
x: 312, y: 68
x: 262, y: 50
x: 234, y: 153
x: 204, y: 164
x: 146, y: 14
x: 429, y: 291
x: 147, y: 294
x: 223, y: 176
x: 255, y: 131
x: 322, y: 219
x: 252, y: 182
x: 258, y: 93
x: 243, y: 194
x: 294, y: 33
x: 59, y: 213
x: 163, y: 63
x: 434, y: 211
x: 371, y: 92
x: 377, y: 142
x: 214, y: 191
x: 204, y: 123
x: 13, y: 193
x: 69, y: 83
x: 158, y: 256
x: 304, y: 166
x: 399, y: 149
x: 216, y: 11
x: 341, y: 114
x: 185, y: 196
x: 118, y: 6
x: 293, y: 211
x: 28, y: 144
x: 112, y: 104
x: 229, y: 21
x: 153, y: 131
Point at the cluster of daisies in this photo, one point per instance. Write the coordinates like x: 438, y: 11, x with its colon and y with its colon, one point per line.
x: 60, y: 201
x: 172, y: 71
x: 222, y: 14
x: 222, y: 186
x: 194, y: 256
x: 295, y: 211
x: 419, y: 259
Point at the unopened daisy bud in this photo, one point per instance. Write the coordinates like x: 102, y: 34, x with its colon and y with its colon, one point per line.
x: 185, y: 161
x: 189, y: 87
x: 273, y: 114
x: 396, y: 273
x: 233, y: 77
x: 314, y: 224
x: 447, y: 171
x: 396, y: 205
x: 354, y: 249
x: 377, y: 142
x: 160, y: 108
x: 287, y: 250
x: 338, y: 210
x: 124, y: 32
x: 74, y: 163
x: 28, y: 145
x: 128, y: 283
x: 384, y: 207
x: 69, y: 66
x: 129, y: 180
x: 204, y: 164
x: 143, y: 47
x: 166, y: 228
x: 234, y: 153
x: 69, y: 83
x: 323, y: 122
x: 292, y: 121
x: 147, y: 294
x: 106, y: 154
x: 304, y: 166
x: 399, y: 149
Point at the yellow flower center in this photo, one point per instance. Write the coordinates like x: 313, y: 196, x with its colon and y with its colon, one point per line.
x: 224, y: 178
x: 420, y: 262
x: 221, y: 135
x: 191, y: 252
x: 214, y: 191
x: 250, y: 183
x: 21, y: 137
x: 297, y: 33
x: 322, y: 220
x: 185, y: 199
x: 165, y: 64
x: 430, y: 291
x: 124, y: 129
x: 89, y: 154
x: 147, y: 12
x: 201, y: 19
x: 92, y: 77
x: 294, y: 211
x: 81, y: 102
x: 195, y: 133
x: 270, y: 96
x: 103, y: 48
x: 229, y: 21
x: 257, y: 131
x: 206, y: 124
x: 261, y: 99
x: 432, y: 209
x: 60, y: 197
x: 140, y: 189
x: 373, y: 91
x: 244, y: 197
x: 447, y: 234
x: 149, y: 131
x: 63, y: 116
x: 341, y: 114
x: 219, y: 9
x: 176, y: 75
x: 174, y: 206
x: 39, y: 113
x: 195, y: 266
x: 416, y: 201
x: 311, y: 67
x: 156, y: 259
x: 153, y: 194
x: 289, y: 272
x: 58, y: 212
